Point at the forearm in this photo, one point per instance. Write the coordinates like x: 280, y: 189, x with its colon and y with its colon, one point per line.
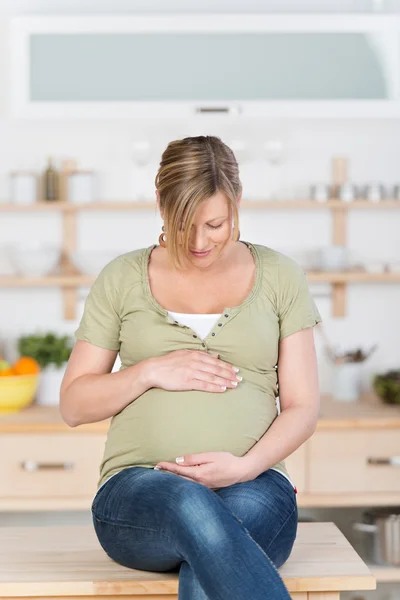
x: 92, y: 398
x: 289, y: 431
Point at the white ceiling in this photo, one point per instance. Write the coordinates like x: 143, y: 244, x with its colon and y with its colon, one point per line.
x: 12, y: 7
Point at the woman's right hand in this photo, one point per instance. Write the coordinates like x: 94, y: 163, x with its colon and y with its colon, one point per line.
x: 191, y: 370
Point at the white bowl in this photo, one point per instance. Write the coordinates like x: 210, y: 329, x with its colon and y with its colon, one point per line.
x: 34, y: 259
x: 394, y: 266
x: 374, y: 266
x: 91, y: 262
x: 6, y: 267
x: 334, y: 258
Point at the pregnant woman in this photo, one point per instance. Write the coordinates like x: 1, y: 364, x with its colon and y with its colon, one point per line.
x: 193, y: 477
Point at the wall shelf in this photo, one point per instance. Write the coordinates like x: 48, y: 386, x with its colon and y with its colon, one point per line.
x: 385, y: 574
x: 69, y: 280
x: 118, y: 205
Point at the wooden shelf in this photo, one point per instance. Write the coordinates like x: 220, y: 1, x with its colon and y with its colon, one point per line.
x: 15, y: 281
x: 352, y: 277
x: 384, y: 574
x: 70, y: 282
x: 72, y: 208
x: 150, y: 204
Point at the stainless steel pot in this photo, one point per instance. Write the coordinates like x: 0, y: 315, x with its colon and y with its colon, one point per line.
x: 382, y: 544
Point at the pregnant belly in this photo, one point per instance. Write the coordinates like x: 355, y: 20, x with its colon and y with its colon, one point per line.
x: 161, y: 425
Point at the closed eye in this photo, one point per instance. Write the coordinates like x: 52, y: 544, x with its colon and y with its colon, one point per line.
x: 216, y: 226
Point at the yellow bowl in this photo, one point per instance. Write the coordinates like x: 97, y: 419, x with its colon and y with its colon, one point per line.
x: 17, y: 392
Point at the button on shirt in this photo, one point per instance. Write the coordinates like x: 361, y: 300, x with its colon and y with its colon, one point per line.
x: 121, y: 314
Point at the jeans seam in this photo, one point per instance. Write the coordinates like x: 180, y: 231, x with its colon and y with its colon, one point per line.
x: 263, y: 551
x: 128, y: 526
x: 280, y: 529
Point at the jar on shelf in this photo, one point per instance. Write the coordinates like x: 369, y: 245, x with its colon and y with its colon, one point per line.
x: 23, y: 187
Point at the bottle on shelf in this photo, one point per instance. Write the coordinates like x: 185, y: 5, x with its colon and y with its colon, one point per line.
x: 51, y: 183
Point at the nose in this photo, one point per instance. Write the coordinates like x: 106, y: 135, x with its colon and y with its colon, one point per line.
x: 198, y: 240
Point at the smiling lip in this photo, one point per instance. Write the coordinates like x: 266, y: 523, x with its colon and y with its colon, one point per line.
x: 201, y: 253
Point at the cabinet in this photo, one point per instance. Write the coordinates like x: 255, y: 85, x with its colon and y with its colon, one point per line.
x: 360, y: 462
x: 238, y: 65
x: 353, y: 458
x: 53, y: 466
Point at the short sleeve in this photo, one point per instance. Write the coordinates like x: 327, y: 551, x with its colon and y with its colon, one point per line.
x: 296, y: 307
x: 100, y: 323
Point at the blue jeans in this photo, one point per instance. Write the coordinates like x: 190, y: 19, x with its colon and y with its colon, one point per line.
x: 224, y: 543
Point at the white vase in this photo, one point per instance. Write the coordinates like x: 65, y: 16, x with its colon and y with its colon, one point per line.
x: 346, y: 382
x: 48, y: 393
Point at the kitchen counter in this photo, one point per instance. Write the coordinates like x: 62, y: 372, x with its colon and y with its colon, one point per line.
x: 40, y: 562
x: 369, y: 413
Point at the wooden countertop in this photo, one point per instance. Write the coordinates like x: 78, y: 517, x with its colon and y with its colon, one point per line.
x: 69, y: 561
x: 370, y: 412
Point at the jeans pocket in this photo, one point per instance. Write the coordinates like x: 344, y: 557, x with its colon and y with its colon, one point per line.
x: 99, y: 492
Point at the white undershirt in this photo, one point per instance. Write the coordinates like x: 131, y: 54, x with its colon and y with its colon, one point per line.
x: 202, y: 325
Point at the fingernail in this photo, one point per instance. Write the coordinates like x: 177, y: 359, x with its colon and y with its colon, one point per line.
x: 180, y: 459
x: 234, y: 383
x: 157, y: 468
x: 236, y: 369
x: 223, y: 388
x: 239, y: 377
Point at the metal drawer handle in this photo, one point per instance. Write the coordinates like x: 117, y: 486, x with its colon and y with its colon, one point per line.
x: 393, y: 461
x: 234, y: 110
x: 33, y: 465
x: 365, y: 527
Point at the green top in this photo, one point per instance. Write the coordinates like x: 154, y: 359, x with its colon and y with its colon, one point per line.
x: 121, y: 314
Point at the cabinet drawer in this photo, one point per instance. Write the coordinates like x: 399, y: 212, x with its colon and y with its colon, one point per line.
x: 339, y: 461
x: 296, y: 467
x: 50, y: 465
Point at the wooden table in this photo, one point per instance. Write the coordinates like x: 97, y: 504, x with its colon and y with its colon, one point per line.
x: 68, y: 562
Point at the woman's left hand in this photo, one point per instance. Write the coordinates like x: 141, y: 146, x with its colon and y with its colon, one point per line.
x: 212, y: 469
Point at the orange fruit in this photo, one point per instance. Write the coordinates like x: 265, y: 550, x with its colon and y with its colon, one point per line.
x: 26, y: 366
x: 7, y: 372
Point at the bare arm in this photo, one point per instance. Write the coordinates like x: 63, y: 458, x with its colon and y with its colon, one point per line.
x: 299, y: 399
x: 90, y: 392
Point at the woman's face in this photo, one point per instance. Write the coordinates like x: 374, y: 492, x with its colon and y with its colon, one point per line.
x: 211, y: 231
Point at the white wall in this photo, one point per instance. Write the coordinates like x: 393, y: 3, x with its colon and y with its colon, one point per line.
x: 373, y: 148
x: 76, y: 6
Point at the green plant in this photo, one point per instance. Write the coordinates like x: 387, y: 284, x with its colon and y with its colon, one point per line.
x: 47, y: 348
x: 387, y: 386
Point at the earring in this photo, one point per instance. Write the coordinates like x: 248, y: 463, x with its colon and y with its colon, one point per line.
x: 161, y: 240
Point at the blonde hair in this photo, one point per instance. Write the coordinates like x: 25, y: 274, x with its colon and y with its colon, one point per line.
x: 192, y: 170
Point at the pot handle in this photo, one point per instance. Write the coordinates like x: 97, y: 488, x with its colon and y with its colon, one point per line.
x: 365, y: 527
